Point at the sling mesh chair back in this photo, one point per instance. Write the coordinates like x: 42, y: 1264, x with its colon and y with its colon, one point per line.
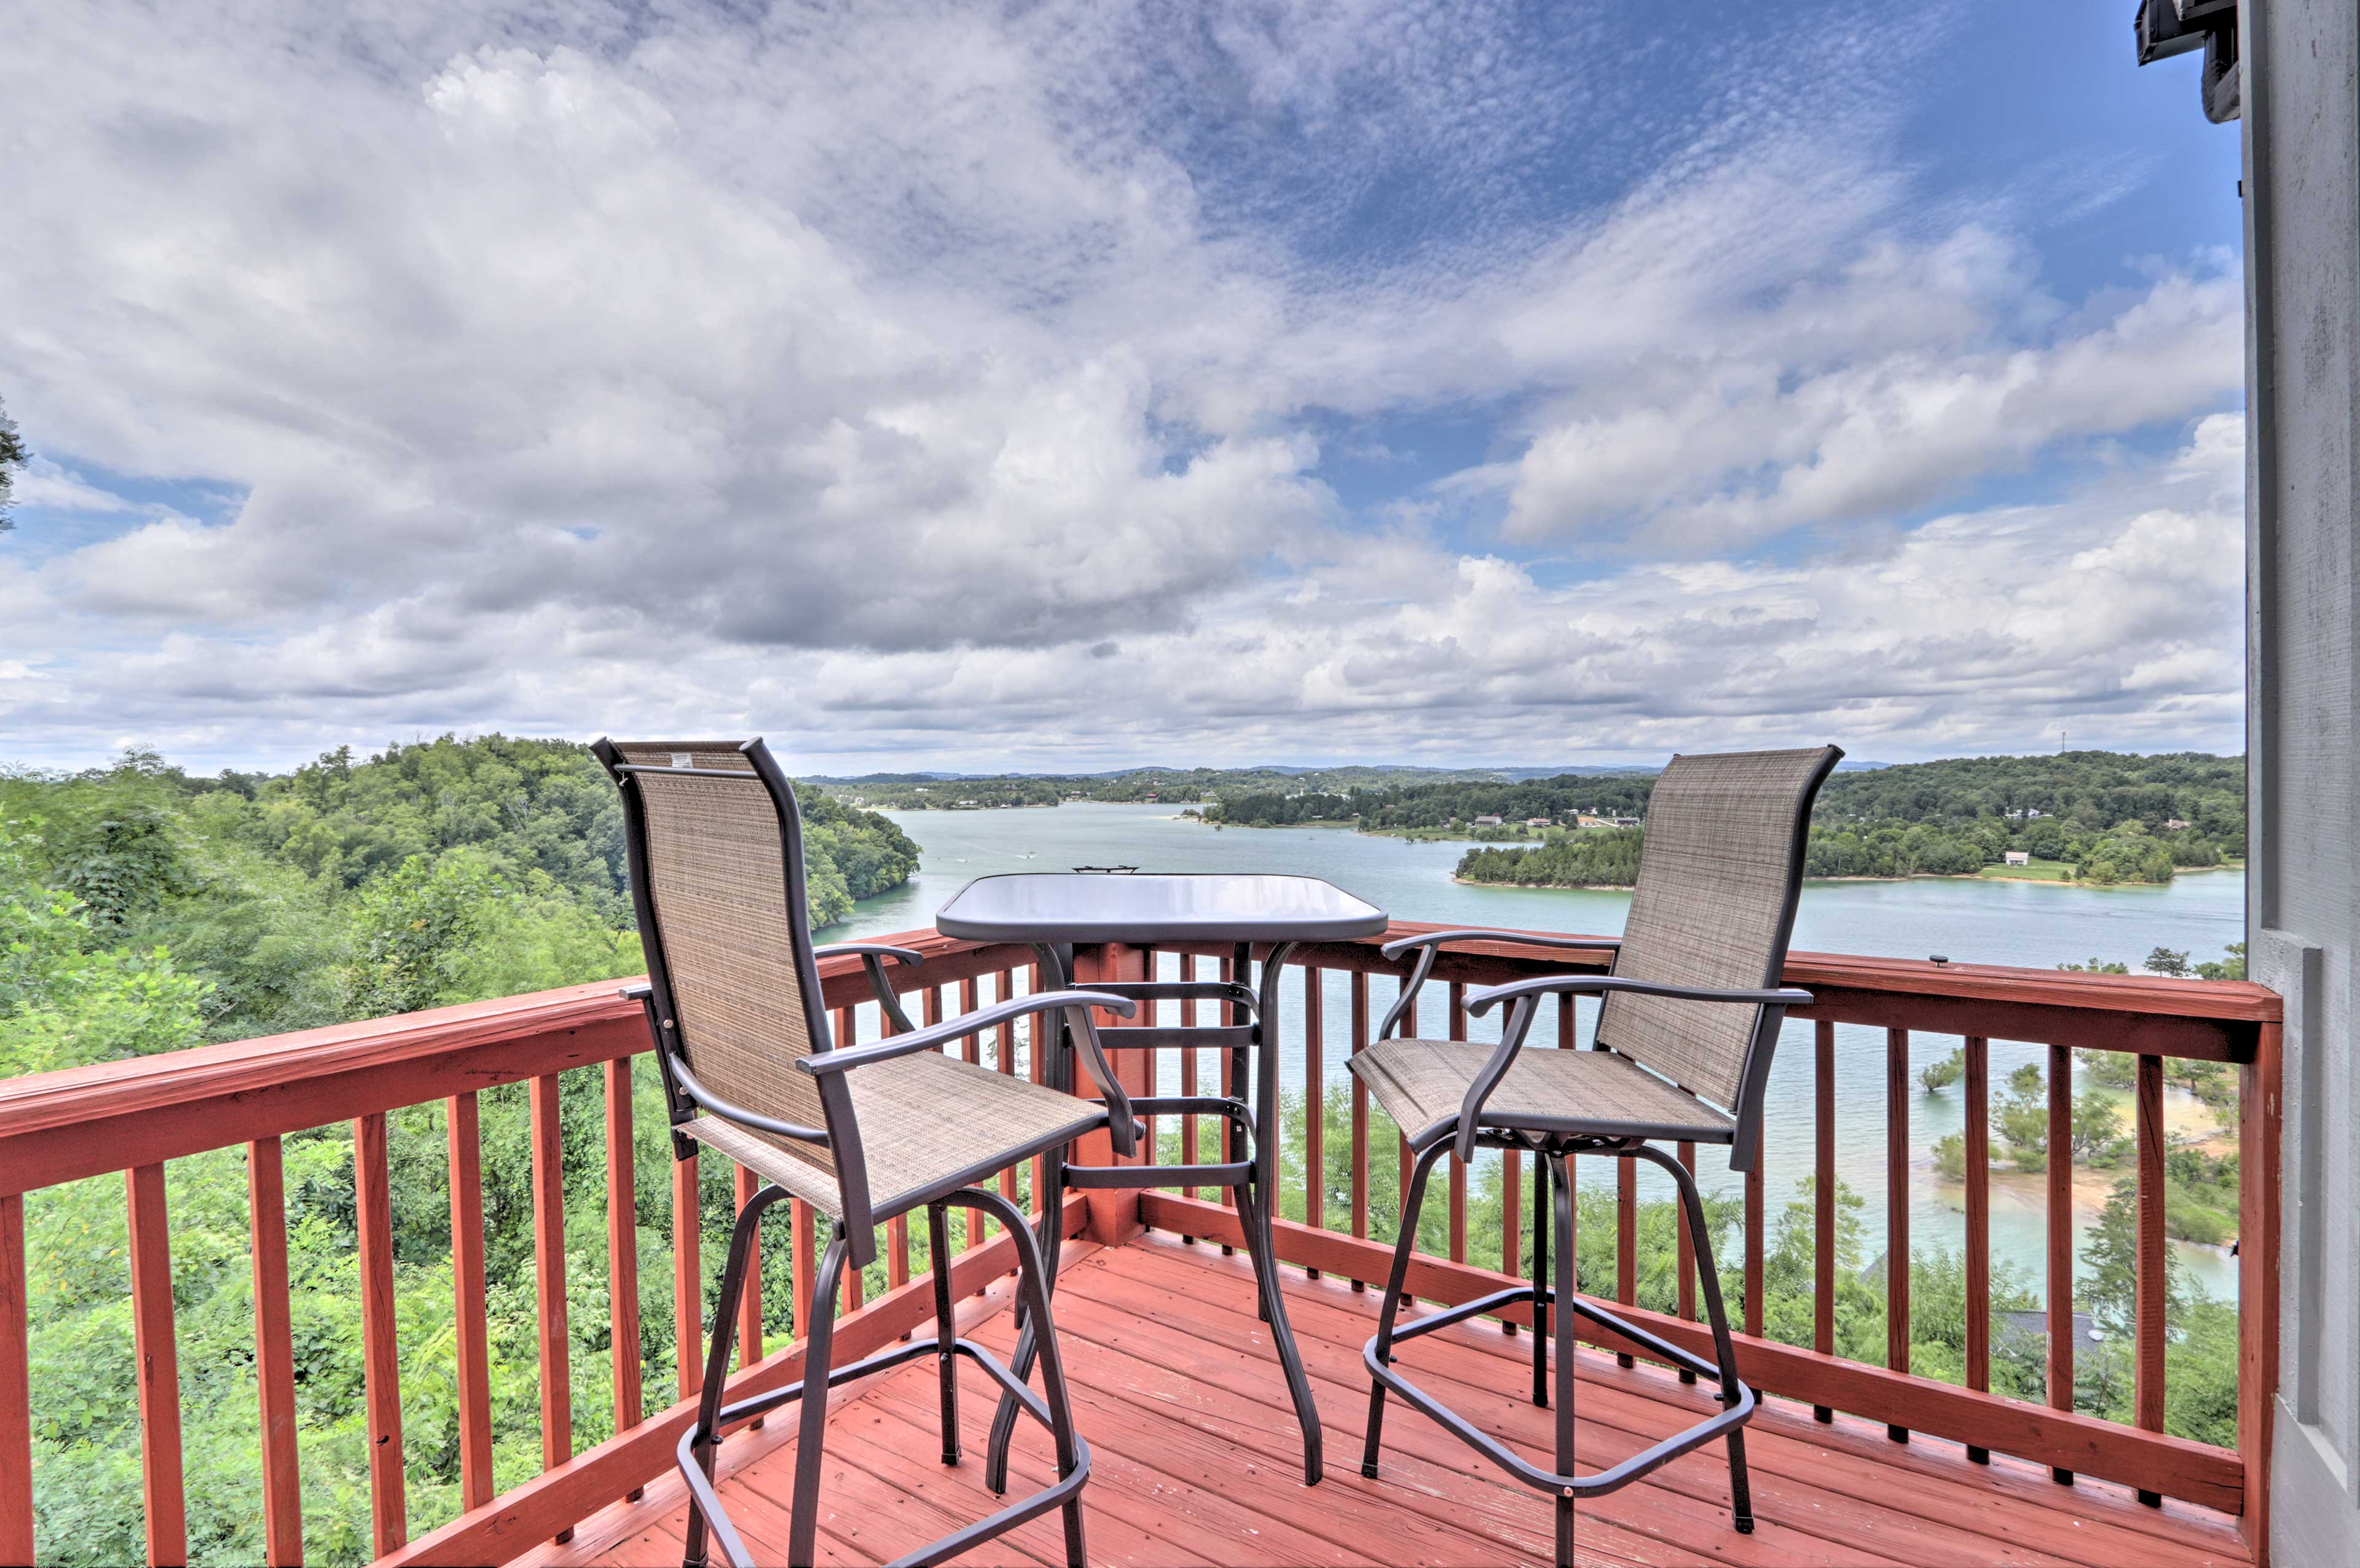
x: 862, y: 1133
x: 1689, y: 1018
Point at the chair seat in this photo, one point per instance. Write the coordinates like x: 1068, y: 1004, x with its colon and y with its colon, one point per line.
x: 928, y: 1123
x: 1422, y: 1083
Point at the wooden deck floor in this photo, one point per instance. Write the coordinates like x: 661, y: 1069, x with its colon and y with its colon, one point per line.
x: 1197, y: 1458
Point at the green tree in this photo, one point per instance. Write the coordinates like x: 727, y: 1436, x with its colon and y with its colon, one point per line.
x: 13, y: 457
x: 1940, y: 1075
x: 2110, y: 1265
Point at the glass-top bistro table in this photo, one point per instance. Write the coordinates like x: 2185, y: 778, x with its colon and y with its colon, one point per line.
x: 1059, y: 915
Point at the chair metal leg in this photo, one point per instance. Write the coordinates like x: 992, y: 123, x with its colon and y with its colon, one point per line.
x: 708, y: 1440
x: 811, y: 1436
x: 1725, y: 1349
x: 1562, y: 1181
x: 1051, y: 1241
x: 1032, y: 1286
x: 938, y: 1239
x: 1412, y: 1202
x: 1541, y: 1207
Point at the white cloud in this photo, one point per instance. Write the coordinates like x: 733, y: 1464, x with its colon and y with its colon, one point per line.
x: 929, y: 378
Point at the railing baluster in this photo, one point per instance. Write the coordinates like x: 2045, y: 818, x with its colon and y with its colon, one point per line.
x: 462, y: 1122
x: 687, y: 1282
x: 1314, y: 1102
x: 16, y: 1389
x: 274, y: 1354
x: 1359, y: 1112
x: 1823, y: 1199
x: 1191, y: 1153
x: 2146, y: 1396
x: 1753, y: 1184
x: 1234, y: 1016
x: 743, y: 1186
x: 380, y: 1350
x: 622, y: 1247
x: 158, y: 1367
x: 1146, y: 1018
x: 806, y: 1262
x: 1896, y: 1208
x: 2060, y: 1221
x: 1686, y: 1304
x: 1400, y: 1186
x: 1035, y: 1062
x: 1002, y: 986
x: 1512, y: 1220
x: 549, y: 1276
x: 1626, y: 1237
x: 1978, y: 1156
x: 1458, y: 1165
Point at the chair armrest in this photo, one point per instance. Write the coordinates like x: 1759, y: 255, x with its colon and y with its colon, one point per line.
x: 1075, y: 1005
x: 1524, y: 994
x: 637, y: 991
x: 1400, y: 945
x: 873, y: 955
x: 1427, y: 946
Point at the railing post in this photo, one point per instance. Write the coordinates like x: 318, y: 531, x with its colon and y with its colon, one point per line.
x: 274, y: 1355
x: 622, y: 1249
x: 2059, y: 1221
x: 1896, y: 1209
x: 380, y: 1350
x: 687, y: 1279
x: 1823, y: 1199
x: 15, y: 1389
x: 471, y: 1335
x: 549, y: 1277
x: 1978, y: 1162
x: 2148, y: 1338
x: 160, y: 1372
x: 2261, y: 1109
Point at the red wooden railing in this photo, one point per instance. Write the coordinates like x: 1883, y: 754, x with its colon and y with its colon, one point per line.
x: 135, y: 1116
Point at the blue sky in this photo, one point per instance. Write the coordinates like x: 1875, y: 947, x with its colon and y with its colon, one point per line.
x: 1076, y: 385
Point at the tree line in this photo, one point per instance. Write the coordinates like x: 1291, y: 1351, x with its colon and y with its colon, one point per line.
x: 2102, y: 817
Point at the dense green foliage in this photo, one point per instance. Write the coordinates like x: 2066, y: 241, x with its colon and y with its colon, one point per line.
x: 13, y: 456
x: 2110, y: 817
x: 1184, y: 786
x: 142, y: 910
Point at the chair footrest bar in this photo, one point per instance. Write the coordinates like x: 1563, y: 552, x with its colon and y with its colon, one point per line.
x: 1100, y: 1178
x: 1193, y: 1104
x: 1183, y: 1037
x: 1612, y: 1479
x: 998, y: 1523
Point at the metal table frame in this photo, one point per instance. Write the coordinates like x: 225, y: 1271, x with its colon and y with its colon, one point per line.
x: 1249, y: 1169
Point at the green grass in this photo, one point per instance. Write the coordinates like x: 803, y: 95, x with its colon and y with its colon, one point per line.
x: 2038, y: 871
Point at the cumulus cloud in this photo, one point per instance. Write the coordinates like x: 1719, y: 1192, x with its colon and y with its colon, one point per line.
x: 940, y: 381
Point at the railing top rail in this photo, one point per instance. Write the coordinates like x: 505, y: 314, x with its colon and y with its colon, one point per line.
x: 2159, y: 995
x: 106, y: 1116
x: 112, y: 1115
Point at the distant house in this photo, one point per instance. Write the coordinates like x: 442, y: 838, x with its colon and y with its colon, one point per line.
x: 2173, y: 824
x: 1626, y: 821
x: 1487, y: 822
x: 1536, y: 821
x: 1586, y: 820
x: 2018, y: 858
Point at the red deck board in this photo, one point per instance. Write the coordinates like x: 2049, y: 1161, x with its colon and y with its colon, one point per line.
x: 1199, y: 1459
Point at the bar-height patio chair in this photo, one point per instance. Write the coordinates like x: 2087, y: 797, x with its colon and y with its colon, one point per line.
x: 1688, y: 1019
x: 862, y: 1133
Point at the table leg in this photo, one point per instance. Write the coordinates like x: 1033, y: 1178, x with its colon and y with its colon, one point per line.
x: 1255, y: 1217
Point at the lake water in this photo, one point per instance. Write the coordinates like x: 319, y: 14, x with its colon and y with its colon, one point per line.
x: 2035, y: 924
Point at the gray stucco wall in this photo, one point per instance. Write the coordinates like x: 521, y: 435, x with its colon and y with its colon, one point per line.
x: 2303, y: 230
